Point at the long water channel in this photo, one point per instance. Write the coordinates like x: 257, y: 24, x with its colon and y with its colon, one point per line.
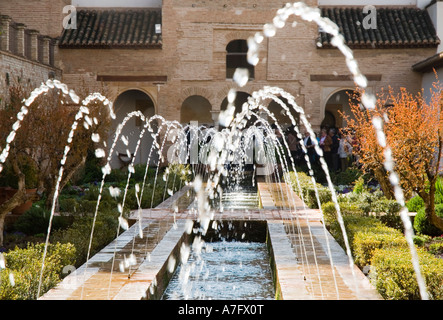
x: 232, y: 264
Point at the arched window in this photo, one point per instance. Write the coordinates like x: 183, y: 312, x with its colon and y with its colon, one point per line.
x: 196, y: 108
x: 236, y: 52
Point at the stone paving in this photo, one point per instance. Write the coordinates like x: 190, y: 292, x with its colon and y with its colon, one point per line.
x: 129, y: 265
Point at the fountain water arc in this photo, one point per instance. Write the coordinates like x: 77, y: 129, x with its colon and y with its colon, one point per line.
x: 300, y: 9
x: 232, y: 124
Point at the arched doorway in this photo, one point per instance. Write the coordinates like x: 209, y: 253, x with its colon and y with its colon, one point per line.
x: 337, y: 104
x: 196, y: 108
x: 240, y: 98
x: 281, y: 114
x: 126, y: 102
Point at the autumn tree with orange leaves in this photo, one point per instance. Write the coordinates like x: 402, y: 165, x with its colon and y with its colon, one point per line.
x: 414, y: 133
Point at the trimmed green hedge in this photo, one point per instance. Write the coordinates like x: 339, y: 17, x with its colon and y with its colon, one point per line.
x: 346, y: 209
x: 393, y: 275
x: 308, y: 193
x: 365, y: 235
x: 25, y: 267
x: 366, y: 243
x: 386, y: 251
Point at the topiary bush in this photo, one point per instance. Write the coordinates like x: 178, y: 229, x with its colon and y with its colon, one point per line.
x: 20, y: 279
x: 393, y: 275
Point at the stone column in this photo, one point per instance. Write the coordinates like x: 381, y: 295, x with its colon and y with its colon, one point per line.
x: 20, y: 38
x: 46, y: 43
x: 34, y: 44
x: 4, y: 32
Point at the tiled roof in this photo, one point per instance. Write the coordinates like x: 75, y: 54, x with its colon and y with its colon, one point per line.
x: 396, y: 28
x: 114, y: 29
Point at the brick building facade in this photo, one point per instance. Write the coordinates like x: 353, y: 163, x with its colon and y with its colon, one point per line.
x: 26, y: 56
x: 173, y: 60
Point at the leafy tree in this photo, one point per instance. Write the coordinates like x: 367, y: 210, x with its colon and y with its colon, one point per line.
x: 41, y: 139
x: 413, y: 129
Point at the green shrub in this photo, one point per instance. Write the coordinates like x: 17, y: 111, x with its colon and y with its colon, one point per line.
x: 436, y: 248
x: 421, y: 240
x: 310, y: 196
x: 88, y: 206
x: 79, y: 234
x: 365, y: 243
x: 367, y: 201
x: 423, y: 226
x: 359, y: 186
x: 392, y: 220
x: 346, y: 209
x: 388, y: 212
x: 365, y: 235
x: 415, y: 204
x: 307, y: 192
x: 25, y: 266
x: 91, y: 171
x: 386, y: 206
x: 393, y: 275
x: 117, y: 175
x: 36, y: 220
x: 70, y: 205
x: 347, y: 177
x: 353, y: 224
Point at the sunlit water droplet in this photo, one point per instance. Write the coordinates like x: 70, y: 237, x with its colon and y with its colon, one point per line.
x: 95, y: 137
x: 241, y: 76
x: 100, y: 153
x: 123, y: 223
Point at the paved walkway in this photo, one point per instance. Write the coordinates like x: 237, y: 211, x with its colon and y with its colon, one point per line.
x: 310, y: 264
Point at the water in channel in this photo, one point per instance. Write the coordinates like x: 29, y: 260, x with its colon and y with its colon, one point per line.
x: 227, y: 270
x: 224, y: 270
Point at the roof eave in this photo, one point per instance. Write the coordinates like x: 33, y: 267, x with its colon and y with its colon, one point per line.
x: 113, y: 46
x: 427, y: 65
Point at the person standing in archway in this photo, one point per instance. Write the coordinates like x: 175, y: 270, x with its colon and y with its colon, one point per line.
x: 335, y: 160
x: 326, y: 146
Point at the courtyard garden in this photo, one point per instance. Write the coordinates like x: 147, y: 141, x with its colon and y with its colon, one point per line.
x: 24, y: 239
x: 366, y: 197
x: 375, y: 232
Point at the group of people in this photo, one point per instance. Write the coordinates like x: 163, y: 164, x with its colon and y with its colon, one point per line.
x: 337, y: 148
